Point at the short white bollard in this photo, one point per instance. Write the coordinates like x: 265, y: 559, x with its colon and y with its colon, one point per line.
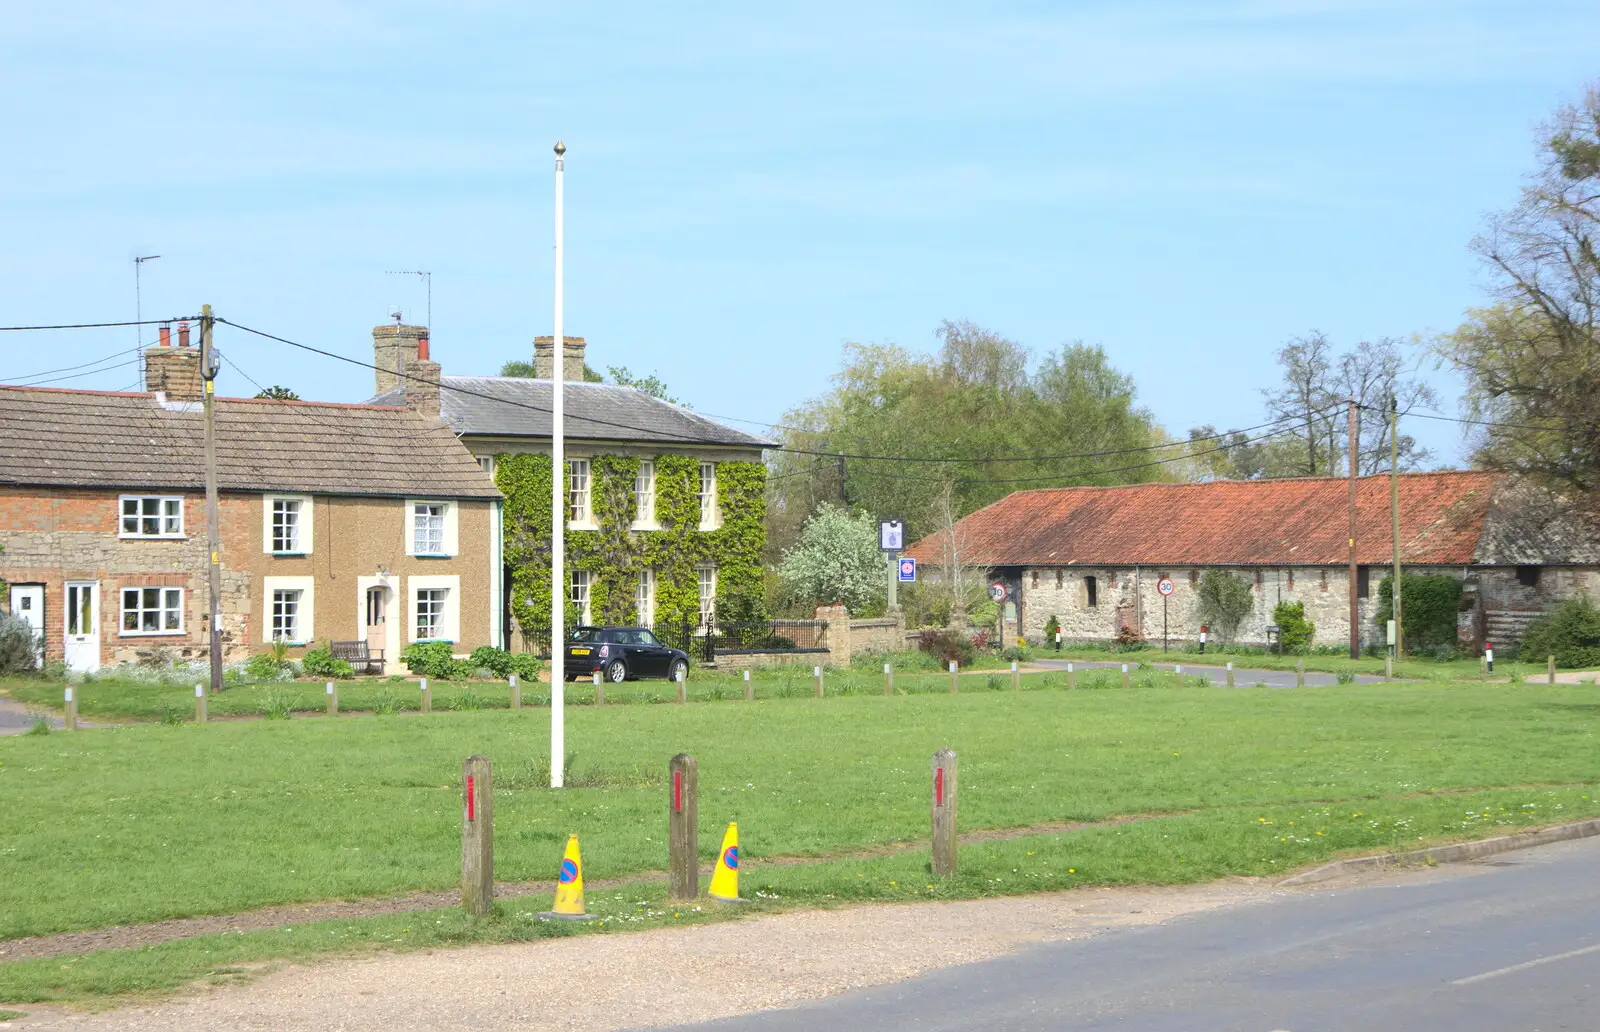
x: 1230, y: 673
x: 683, y: 693
x: 816, y: 676
x: 427, y: 697
x: 199, y: 704
x: 1127, y: 682
x: 888, y: 679
x: 749, y: 688
x: 1016, y: 677
x: 954, y: 686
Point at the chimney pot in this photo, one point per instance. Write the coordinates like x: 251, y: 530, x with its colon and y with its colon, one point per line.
x: 422, y: 348
x: 166, y: 336
x: 183, y: 335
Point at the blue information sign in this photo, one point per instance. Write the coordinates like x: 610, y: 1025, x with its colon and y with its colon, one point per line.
x: 908, y: 569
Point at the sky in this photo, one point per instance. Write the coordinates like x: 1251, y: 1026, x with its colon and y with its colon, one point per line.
x: 750, y: 186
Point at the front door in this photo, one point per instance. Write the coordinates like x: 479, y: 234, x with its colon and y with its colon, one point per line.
x: 82, y: 636
x: 378, y: 622
x: 27, y: 605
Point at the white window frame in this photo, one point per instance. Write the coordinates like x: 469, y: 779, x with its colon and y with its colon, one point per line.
x: 579, y: 585
x: 710, y: 515
x: 580, y: 494
x: 289, y: 599
x: 486, y: 463
x: 707, y: 602
x: 163, y: 504
x: 644, y: 597
x: 644, y: 496
x: 303, y: 524
x: 305, y: 611
x: 450, y: 618
x: 164, y: 600
x: 450, y: 537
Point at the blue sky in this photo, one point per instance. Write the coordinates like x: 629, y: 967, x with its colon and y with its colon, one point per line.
x: 750, y: 186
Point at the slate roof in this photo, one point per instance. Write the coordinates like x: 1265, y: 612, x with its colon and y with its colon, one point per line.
x: 513, y: 406
x: 1446, y: 518
x: 69, y: 438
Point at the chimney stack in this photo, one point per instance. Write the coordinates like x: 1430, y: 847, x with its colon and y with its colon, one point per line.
x: 544, y: 358
x: 395, y: 348
x: 422, y: 387
x: 173, y: 371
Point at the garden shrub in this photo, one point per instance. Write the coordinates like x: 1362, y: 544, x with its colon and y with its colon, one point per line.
x: 948, y: 645
x: 1429, y: 604
x: 1225, y: 600
x: 1014, y: 653
x: 487, y: 657
x: 19, y: 652
x: 263, y: 666
x: 1570, y: 632
x: 1128, y: 638
x: 1294, y: 630
x: 433, y: 659
x: 1051, y: 626
x: 321, y: 662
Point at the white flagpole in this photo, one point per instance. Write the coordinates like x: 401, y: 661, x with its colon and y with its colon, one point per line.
x: 558, y: 519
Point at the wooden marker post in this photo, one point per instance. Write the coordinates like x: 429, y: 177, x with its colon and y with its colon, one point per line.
x: 955, y: 678
x: 477, y: 837
x: 1230, y: 673
x: 1483, y: 669
x: 599, y: 689
x: 1550, y: 665
x: 1072, y: 676
x: 944, y: 813
x: 1127, y: 682
x: 427, y: 697
x: 816, y: 674
x: 1300, y: 674
x: 888, y: 679
x: 516, y: 693
x: 683, y: 822
x: 1016, y: 677
x: 199, y: 704
x: 1388, y: 668
x: 70, y: 718
x: 683, y: 689
x: 333, y: 700
x: 749, y: 688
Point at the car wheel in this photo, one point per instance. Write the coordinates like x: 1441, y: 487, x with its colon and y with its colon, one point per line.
x: 616, y: 671
x: 679, y: 669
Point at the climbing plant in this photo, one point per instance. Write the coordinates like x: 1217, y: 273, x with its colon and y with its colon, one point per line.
x: 614, y: 554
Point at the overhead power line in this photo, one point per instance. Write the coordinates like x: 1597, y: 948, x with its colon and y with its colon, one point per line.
x: 103, y: 325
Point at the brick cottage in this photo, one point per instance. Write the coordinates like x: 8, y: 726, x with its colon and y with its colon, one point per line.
x: 346, y: 522
x: 1092, y: 556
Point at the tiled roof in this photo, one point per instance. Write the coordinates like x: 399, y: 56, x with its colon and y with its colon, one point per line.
x: 69, y: 438
x: 1446, y: 518
x: 513, y: 406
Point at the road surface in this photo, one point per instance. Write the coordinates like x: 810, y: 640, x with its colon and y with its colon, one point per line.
x: 1508, y: 944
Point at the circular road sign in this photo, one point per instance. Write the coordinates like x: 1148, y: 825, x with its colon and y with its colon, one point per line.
x: 1164, y: 585
x: 997, y: 591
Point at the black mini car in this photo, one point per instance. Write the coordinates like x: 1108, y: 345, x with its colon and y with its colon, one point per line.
x: 622, y: 654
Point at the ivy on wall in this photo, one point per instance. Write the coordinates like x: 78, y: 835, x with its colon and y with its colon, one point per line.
x: 614, y: 554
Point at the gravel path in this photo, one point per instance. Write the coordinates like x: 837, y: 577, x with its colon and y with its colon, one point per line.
x: 669, y: 976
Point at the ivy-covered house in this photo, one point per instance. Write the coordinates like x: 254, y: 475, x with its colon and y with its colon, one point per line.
x: 667, y: 513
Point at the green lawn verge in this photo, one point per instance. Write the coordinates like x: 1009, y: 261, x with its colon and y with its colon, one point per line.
x: 1409, y: 669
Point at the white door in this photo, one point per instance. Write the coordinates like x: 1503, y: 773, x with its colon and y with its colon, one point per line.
x: 83, y: 626
x: 27, y: 605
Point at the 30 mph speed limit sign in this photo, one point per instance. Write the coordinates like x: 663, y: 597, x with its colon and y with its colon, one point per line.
x: 1165, y: 586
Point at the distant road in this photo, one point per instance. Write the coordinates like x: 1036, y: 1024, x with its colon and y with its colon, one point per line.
x: 1509, y: 944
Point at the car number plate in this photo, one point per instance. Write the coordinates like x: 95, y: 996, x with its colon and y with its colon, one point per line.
x: 580, y: 652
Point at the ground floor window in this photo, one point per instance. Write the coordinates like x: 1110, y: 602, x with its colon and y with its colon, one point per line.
x: 580, y: 594
x: 430, y: 612
x: 708, y: 594
x: 286, y: 614
x: 645, y: 598
x: 152, y: 611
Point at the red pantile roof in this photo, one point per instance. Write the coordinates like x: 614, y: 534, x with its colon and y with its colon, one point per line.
x: 1229, y: 523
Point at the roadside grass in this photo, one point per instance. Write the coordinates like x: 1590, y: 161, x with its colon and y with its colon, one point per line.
x: 141, y: 823
x: 1187, y: 848
x: 1465, y: 669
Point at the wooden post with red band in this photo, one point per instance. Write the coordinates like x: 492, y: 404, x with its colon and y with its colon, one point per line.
x: 683, y: 823
x: 477, y: 836
x: 944, y: 813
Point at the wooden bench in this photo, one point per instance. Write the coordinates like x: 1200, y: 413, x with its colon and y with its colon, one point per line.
x: 358, y: 655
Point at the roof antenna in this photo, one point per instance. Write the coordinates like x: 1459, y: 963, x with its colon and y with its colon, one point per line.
x: 427, y: 278
x: 138, y: 311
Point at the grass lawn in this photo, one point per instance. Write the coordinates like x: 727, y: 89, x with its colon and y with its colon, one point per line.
x: 151, y: 821
x: 1409, y: 669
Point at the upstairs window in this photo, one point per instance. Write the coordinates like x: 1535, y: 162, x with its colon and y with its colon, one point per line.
x: 644, y: 494
x: 708, y: 495
x: 286, y: 525
x: 152, y: 516
x: 1528, y: 576
x: 578, y: 491
x: 427, y: 528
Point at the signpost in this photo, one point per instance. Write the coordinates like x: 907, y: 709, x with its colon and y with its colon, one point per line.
x: 1165, y: 586
x: 891, y: 539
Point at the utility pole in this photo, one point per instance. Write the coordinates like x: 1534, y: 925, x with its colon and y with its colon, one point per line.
x: 138, y: 311
x: 1355, y: 603
x: 1394, y: 516
x: 558, y: 516
x: 208, y: 372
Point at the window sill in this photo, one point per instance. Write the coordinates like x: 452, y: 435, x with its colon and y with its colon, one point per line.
x: 150, y: 634
x: 288, y: 555
x: 583, y: 526
x: 644, y: 526
x: 432, y: 555
x: 153, y: 537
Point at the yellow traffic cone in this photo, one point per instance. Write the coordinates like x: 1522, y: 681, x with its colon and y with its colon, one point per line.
x: 725, y: 879
x: 569, y: 887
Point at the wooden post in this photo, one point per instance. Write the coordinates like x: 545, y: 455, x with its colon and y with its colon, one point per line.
x: 1016, y: 677
x: 683, y: 823
x: 199, y: 704
x: 1072, y: 676
x: 1230, y: 673
x: 1300, y: 673
x: 1483, y: 669
x: 516, y: 693
x: 1388, y: 668
x: 333, y: 700
x: 816, y: 674
x: 683, y: 689
x: 599, y: 689
x: 1550, y: 665
x: 955, y: 682
x: 70, y: 720
x: 944, y: 813
x: 1127, y: 682
x: 477, y: 837
x: 749, y: 688
x: 427, y: 697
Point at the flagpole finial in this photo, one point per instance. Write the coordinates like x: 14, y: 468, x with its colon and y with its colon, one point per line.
x: 561, y: 148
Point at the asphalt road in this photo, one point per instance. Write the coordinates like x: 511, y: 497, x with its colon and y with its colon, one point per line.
x: 1242, y: 677
x: 1509, y: 944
